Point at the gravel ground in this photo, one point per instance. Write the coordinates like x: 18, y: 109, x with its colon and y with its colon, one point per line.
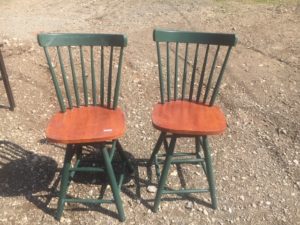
x: 256, y: 161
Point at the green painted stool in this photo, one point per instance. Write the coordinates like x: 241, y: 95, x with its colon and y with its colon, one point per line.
x: 86, y: 73
x: 191, y: 66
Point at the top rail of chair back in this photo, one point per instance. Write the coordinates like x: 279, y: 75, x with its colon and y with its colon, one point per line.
x: 76, y: 39
x: 160, y: 35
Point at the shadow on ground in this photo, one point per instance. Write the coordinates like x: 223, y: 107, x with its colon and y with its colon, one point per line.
x: 151, y: 179
x: 24, y: 173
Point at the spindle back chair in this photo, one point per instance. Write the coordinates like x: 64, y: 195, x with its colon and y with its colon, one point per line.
x: 191, y: 66
x: 86, y: 72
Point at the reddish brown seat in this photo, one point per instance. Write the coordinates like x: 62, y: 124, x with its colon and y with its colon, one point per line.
x: 190, y: 118
x: 86, y: 125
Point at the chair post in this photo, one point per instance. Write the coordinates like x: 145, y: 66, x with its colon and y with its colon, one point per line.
x: 125, y: 158
x: 156, y: 147
x: 114, y: 185
x: 65, y: 180
x: 164, y: 174
x: 210, y: 173
x: 198, y: 147
x: 4, y: 77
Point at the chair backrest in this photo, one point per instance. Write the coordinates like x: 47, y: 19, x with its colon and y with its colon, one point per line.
x: 187, y: 62
x: 73, y: 52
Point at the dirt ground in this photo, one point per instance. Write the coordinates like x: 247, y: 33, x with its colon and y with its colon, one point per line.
x: 256, y: 161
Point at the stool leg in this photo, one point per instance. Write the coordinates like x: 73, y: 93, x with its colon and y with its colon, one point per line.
x: 6, y: 84
x: 210, y: 173
x: 64, y: 181
x: 164, y: 174
x: 157, y: 147
x: 198, y: 147
x: 113, y: 184
x: 125, y: 158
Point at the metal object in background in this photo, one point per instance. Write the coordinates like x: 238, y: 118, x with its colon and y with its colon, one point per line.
x: 4, y: 77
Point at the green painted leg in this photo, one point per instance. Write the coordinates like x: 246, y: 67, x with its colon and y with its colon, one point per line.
x: 197, y: 140
x: 78, y: 151
x: 124, y: 157
x: 64, y: 181
x: 166, y: 144
x: 157, y: 147
x: 210, y: 173
x: 112, y: 151
x: 164, y: 174
x: 113, y: 184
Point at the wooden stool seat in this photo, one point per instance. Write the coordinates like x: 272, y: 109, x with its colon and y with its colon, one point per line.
x: 189, y: 118
x: 86, y: 125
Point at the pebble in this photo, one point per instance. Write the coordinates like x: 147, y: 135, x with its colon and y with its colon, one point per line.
x: 261, y: 203
x: 189, y: 205
x: 151, y: 189
x: 282, y: 131
x: 174, y: 173
x: 35, y: 159
x: 242, y: 198
x: 66, y: 220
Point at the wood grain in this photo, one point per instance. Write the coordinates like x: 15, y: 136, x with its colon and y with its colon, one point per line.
x: 188, y: 118
x: 86, y: 125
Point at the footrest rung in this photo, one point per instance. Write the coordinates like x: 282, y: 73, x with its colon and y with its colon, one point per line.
x: 88, y: 200
x: 177, y: 154
x: 87, y: 169
x: 185, y: 191
x: 177, y: 161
